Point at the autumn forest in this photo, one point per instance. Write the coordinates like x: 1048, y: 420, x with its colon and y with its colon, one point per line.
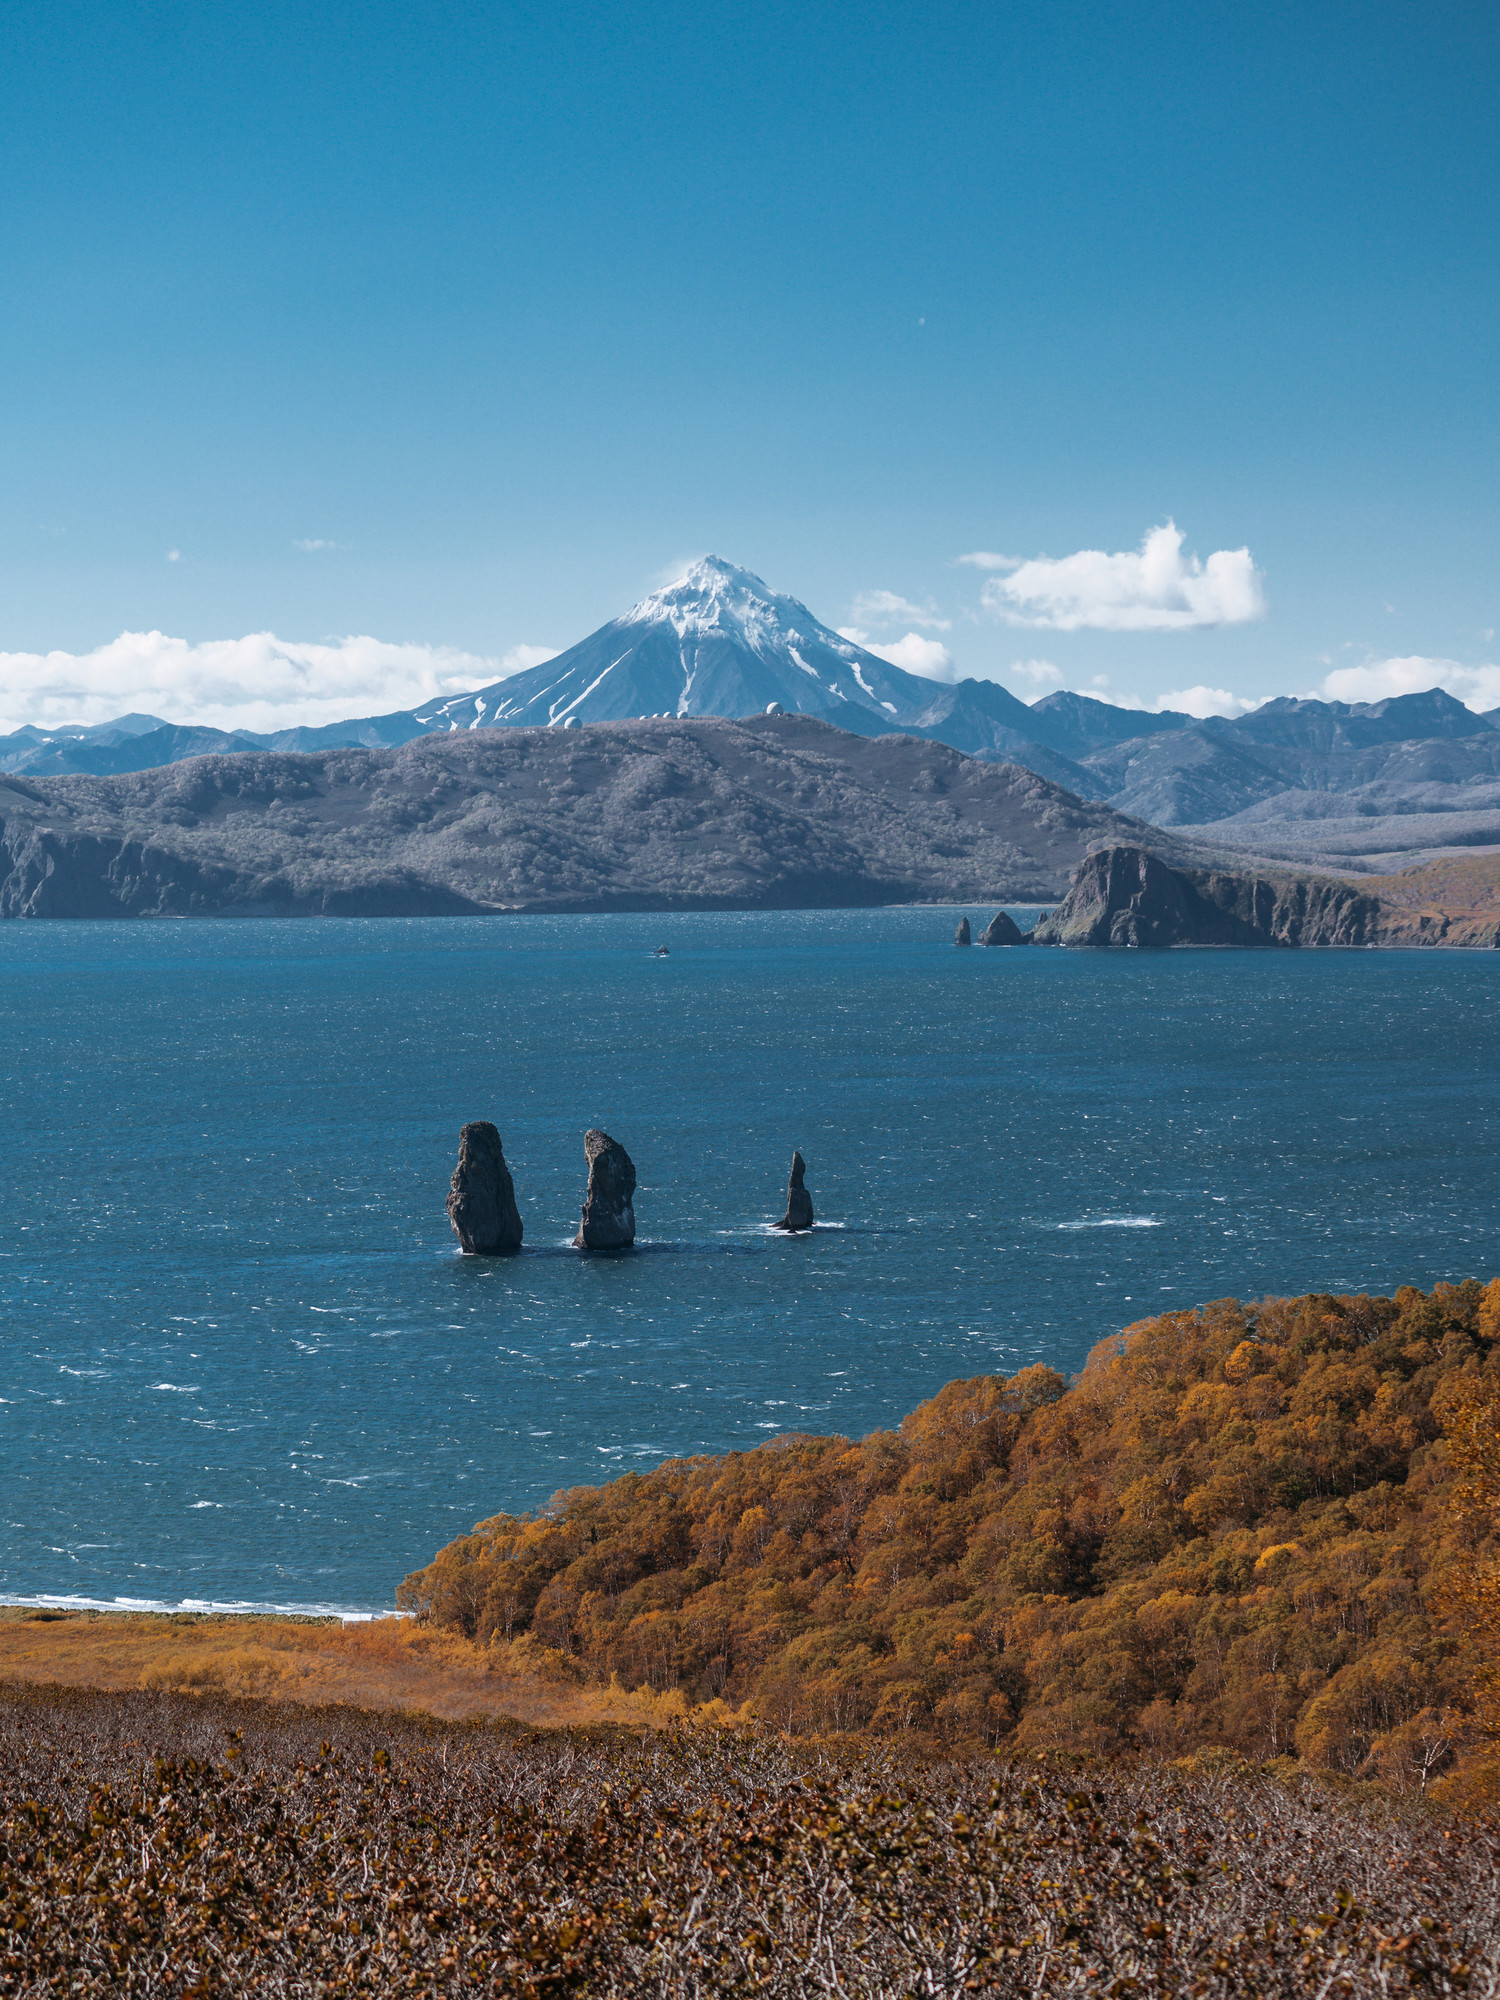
x: 1261, y: 1533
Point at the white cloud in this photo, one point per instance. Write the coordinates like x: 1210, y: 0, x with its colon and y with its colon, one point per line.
x: 884, y: 607
x: 1040, y: 673
x: 1203, y: 702
x: 1377, y: 680
x: 259, y: 683
x: 312, y: 543
x: 987, y: 559
x: 174, y: 555
x: 929, y: 657
x: 1151, y: 590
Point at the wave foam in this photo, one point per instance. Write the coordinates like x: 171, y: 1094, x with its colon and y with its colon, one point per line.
x: 205, y: 1606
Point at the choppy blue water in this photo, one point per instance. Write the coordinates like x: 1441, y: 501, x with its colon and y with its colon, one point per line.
x: 241, y: 1361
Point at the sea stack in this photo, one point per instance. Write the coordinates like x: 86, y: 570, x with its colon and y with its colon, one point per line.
x: 961, y: 935
x: 799, y: 1208
x: 482, y: 1198
x: 1002, y: 930
x: 608, y: 1221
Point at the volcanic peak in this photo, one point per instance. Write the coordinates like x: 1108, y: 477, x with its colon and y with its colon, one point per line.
x: 715, y: 596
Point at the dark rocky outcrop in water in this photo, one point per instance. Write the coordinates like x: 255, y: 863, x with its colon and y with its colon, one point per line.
x: 1002, y: 929
x: 482, y: 1198
x: 799, y: 1208
x: 608, y: 1221
x: 1126, y: 896
x: 961, y: 935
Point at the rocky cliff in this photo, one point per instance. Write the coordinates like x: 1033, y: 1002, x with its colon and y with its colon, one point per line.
x: 1127, y: 896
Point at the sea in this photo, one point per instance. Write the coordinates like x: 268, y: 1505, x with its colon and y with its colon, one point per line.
x: 242, y: 1363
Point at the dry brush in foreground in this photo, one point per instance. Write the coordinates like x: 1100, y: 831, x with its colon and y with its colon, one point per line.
x: 178, y: 1845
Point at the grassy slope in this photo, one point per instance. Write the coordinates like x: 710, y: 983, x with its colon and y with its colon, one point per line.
x: 389, y: 1664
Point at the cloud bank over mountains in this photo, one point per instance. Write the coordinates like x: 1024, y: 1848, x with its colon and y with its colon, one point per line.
x: 259, y: 683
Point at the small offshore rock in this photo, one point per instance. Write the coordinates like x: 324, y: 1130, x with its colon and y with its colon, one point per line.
x: 482, y: 1197
x: 799, y: 1208
x: 661, y: 952
x: 961, y: 935
x: 1002, y: 930
x: 608, y: 1221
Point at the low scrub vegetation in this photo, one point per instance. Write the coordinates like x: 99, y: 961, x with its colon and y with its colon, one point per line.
x: 181, y: 1845
x: 1243, y: 1530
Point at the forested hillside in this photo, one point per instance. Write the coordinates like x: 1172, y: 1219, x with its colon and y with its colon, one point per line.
x: 1235, y: 1529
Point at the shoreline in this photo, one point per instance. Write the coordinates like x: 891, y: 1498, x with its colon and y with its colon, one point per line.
x: 194, y: 1607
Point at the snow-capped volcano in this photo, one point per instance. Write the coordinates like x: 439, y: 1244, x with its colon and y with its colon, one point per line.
x: 716, y: 642
x: 719, y: 641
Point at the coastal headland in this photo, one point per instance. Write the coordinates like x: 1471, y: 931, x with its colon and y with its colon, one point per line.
x: 1129, y: 897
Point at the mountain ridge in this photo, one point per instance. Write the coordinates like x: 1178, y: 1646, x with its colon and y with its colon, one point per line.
x: 779, y: 812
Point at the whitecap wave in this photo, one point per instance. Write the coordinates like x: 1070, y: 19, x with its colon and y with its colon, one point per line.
x: 1114, y: 1222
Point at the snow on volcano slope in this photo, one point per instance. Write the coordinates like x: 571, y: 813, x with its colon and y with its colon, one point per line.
x: 717, y: 642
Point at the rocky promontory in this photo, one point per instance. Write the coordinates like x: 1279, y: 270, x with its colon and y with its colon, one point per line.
x: 1127, y: 896
x: 482, y: 1197
x: 799, y: 1208
x: 608, y: 1221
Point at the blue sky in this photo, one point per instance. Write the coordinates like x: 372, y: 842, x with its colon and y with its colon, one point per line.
x: 463, y: 328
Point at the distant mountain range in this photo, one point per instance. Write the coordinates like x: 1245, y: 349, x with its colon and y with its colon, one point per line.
x: 1366, y: 782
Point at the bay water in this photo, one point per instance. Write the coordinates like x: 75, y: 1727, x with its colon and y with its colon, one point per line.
x: 241, y: 1361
